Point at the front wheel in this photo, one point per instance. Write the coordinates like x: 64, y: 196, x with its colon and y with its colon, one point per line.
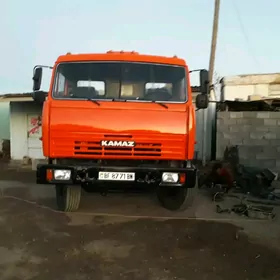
x: 176, y: 198
x: 68, y: 197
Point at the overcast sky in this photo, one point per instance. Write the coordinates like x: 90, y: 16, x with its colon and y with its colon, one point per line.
x: 37, y: 32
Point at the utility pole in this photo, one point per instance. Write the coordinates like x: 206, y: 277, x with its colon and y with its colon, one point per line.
x: 214, y: 41
x: 211, y: 74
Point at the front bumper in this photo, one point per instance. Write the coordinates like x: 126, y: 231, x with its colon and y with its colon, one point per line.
x: 89, y: 174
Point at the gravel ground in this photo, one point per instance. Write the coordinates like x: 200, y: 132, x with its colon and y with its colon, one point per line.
x: 38, y: 243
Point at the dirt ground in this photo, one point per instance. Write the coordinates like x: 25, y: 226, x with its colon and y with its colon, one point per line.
x: 39, y: 243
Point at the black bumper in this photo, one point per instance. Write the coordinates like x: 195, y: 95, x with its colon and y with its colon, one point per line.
x: 89, y: 174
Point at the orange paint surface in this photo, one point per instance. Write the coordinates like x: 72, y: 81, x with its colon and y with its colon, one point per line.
x: 74, y: 128
x: 118, y: 56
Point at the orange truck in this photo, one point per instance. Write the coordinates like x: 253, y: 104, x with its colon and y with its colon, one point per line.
x: 119, y: 119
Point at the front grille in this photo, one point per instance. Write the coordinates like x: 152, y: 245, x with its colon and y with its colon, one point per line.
x: 139, y: 150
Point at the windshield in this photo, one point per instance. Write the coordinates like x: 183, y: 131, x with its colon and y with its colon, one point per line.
x: 120, y: 81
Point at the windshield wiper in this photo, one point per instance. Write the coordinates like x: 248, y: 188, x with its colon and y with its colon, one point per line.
x: 161, y: 104
x: 94, y: 101
x: 153, y: 101
x: 118, y: 99
x: 88, y: 99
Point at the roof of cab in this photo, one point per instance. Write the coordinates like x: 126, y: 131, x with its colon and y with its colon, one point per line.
x: 121, y: 56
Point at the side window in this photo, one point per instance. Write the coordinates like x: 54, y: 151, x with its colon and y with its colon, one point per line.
x: 60, y: 85
x: 179, y: 91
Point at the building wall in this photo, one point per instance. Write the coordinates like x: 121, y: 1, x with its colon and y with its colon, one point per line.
x: 242, y: 86
x: 19, y: 112
x: 257, y: 135
x: 4, y: 120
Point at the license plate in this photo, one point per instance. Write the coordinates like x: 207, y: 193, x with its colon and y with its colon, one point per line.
x: 116, y: 176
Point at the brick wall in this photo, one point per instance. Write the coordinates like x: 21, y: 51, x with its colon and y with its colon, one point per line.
x: 257, y: 135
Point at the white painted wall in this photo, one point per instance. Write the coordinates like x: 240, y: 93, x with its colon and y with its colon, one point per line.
x: 19, y: 128
x: 242, y: 86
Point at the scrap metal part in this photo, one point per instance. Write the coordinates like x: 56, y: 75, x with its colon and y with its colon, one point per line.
x: 254, y: 212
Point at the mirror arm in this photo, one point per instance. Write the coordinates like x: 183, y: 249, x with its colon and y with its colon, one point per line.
x: 195, y: 70
x: 42, y: 66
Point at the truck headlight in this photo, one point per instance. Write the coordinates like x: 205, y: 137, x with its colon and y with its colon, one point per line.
x: 170, y: 177
x: 62, y: 174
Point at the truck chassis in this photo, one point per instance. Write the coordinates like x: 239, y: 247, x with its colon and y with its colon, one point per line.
x: 176, y: 195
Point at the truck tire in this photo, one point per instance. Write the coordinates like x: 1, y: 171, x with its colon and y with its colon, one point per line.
x: 176, y: 199
x: 68, y: 198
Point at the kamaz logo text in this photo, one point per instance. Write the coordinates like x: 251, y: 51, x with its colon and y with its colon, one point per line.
x: 117, y: 143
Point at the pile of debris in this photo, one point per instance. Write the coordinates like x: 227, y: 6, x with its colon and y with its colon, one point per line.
x: 251, y: 180
x: 249, y: 210
x: 256, y: 181
x: 250, y: 185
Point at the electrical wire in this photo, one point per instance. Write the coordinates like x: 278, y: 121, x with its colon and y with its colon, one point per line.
x: 250, y: 49
x: 96, y: 214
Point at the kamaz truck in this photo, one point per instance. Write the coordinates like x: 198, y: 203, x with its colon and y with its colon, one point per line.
x: 119, y: 119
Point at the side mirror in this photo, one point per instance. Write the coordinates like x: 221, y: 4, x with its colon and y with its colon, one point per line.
x: 204, y: 81
x: 39, y: 97
x: 37, y: 78
x: 202, y: 101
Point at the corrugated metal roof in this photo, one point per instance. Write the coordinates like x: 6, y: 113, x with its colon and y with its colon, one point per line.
x: 251, y: 79
x: 268, y: 99
x: 9, y: 97
x: 269, y: 104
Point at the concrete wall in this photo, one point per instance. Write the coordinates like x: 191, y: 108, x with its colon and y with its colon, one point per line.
x: 19, y: 127
x: 242, y: 86
x: 256, y: 133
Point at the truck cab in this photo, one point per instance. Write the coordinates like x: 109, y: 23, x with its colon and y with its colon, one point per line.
x: 119, y: 118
